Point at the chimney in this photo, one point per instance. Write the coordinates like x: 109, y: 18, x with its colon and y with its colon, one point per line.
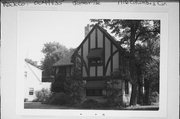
x: 87, y: 29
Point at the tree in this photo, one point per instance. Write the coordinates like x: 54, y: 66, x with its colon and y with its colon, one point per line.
x: 72, y: 86
x: 130, y: 33
x: 147, y: 57
x: 53, y: 52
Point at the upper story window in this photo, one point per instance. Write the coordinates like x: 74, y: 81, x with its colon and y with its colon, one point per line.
x: 95, y: 57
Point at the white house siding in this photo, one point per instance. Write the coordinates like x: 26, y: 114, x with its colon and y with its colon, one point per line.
x: 33, y: 80
x: 46, y: 85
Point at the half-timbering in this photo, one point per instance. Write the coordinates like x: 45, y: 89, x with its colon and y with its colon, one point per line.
x: 101, y: 59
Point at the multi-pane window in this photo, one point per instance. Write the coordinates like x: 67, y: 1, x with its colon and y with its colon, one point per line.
x: 95, y: 57
x: 95, y: 61
x: 31, y: 91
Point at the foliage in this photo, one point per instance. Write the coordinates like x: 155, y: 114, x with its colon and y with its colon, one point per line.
x: 90, y: 104
x: 25, y: 99
x: 42, y: 95
x: 147, y: 58
x: 59, y: 84
x: 53, y: 52
x: 114, y: 96
x: 72, y: 86
x: 60, y: 99
x: 76, y: 85
x: 154, y: 97
x: 130, y: 34
x: 75, y: 89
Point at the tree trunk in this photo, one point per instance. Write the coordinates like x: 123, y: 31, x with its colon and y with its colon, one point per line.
x: 139, y: 76
x: 139, y: 101
x: 132, y: 63
x: 133, y: 100
x: 146, y: 98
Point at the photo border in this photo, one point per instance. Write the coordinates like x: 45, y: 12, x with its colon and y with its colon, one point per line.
x: 162, y: 112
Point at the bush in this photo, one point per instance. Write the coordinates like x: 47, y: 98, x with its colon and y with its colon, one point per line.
x: 60, y: 99
x: 42, y: 95
x: 154, y: 97
x: 25, y: 99
x: 113, y: 93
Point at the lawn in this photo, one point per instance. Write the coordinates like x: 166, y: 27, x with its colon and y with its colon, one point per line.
x: 39, y: 105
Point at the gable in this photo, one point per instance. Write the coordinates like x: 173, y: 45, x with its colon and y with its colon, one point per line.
x: 96, y: 32
x: 99, y: 53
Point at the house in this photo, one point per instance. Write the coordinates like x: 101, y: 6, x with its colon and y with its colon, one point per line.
x: 62, y: 69
x: 33, y: 81
x: 100, y: 59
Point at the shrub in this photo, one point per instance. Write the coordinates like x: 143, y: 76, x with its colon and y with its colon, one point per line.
x: 154, y: 97
x: 42, y: 95
x: 113, y: 93
x: 60, y: 99
x: 25, y: 99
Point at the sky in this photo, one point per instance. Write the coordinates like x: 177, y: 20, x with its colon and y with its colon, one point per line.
x: 36, y: 28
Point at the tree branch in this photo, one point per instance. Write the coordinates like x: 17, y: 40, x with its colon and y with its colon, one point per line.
x: 143, y: 32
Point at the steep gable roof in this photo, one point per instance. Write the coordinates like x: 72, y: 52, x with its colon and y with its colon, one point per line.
x: 106, y: 34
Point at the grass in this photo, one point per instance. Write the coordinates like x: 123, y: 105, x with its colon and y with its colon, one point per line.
x: 39, y: 105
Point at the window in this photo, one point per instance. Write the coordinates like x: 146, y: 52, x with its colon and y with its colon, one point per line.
x: 25, y: 73
x: 31, y: 91
x: 94, y: 92
x: 126, y: 87
x: 95, y: 61
x: 95, y: 57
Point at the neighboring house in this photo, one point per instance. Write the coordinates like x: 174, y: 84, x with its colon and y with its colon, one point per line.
x: 101, y: 59
x: 64, y: 67
x: 33, y: 81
